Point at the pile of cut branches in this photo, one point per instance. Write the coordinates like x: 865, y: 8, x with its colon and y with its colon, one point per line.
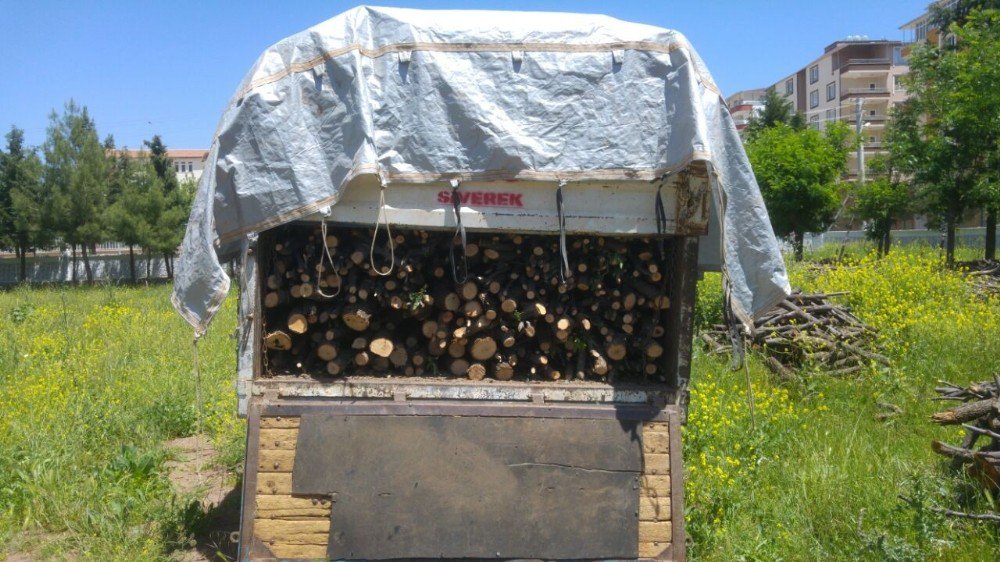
x: 807, y: 329
x: 984, y: 275
x: 979, y: 414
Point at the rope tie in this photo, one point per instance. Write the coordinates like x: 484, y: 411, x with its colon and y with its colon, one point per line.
x: 564, y: 270
x: 382, y: 214
x: 661, y: 220
x: 329, y: 258
x: 738, y: 339
x: 459, y: 235
x: 197, y: 381
x: 734, y: 327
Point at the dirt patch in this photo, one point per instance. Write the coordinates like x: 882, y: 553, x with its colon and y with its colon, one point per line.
x: 21, y: 557
x: 30, y: 547
x: 193, y: 471
x: 194, y: 474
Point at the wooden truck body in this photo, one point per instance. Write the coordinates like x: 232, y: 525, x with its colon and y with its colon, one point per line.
x: 391, y: 467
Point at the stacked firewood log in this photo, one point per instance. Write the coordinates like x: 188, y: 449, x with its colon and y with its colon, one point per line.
x: 504, y: 311
x: 807, y: 330
x: 979, y: 414
x: 984, y: 275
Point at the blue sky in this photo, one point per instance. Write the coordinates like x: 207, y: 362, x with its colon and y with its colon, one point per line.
x: 169, y: 67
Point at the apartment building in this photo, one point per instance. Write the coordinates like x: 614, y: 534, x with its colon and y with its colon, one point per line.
x: 188, y: 163
x: 920, y: 30
x: 745, y: 104
x: 853, y: 76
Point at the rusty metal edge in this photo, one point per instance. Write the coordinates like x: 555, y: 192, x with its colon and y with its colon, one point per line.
x: 281, y: 407
x: 677, y: 551
x: 248, y: 497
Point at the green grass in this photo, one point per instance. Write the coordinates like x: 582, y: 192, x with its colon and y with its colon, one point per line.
x: 819, y: 477
x: 94, y: 380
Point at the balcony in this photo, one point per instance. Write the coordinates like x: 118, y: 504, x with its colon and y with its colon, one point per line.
x: 875, y: 120
x: 863, y: 92
x: 865, y: 65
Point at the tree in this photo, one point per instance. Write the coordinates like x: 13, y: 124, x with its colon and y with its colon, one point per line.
x: 944, y: 14
x: 882, y: 201
x: 951, y: 123
x: 798, y: 171
x: 887, y: 197
x: 21, y: 199
x: 173, y: 203
x: 977, y: 32
x: 126, y: 218
x: 776, y: 110
x: 75, y: 173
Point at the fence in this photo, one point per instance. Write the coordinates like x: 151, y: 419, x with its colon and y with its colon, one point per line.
x: 59, y: 269
x: 963, y: 237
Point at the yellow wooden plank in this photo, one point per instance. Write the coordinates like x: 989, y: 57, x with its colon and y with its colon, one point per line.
x: 655, y: 442
x: 315, y: 539
x: 655, y: 531
x: 293, y: 515
x: 292, y: 532
x: 276, y: 460
x: 279, y: 422
x: 291, y: 502
x: 274, y: 483
x: 298, y: 551
x: 650, y: 549
x: 656, y: 426
x: 653, y: 508
x: 278, y: 438
x: 289, y: 507
x: 656, y: 463
x: 279, y: 528
x: 652, y: 486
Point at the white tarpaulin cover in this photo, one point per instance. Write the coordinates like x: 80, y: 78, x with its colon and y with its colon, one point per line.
x: 417, y: 96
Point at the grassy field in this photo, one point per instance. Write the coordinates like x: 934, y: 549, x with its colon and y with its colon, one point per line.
x: 94, y: 381
x: 819, y: 476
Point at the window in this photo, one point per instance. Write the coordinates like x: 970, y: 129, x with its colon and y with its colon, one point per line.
x: 871, y: 86
x: 813, y: 99
x: 921, y: 32
x: 190, y: 166
x: 814, y: 74
x: 831, y: 91
x: 177, y: 167
x: 814, y: 122
x: 897, y: 84
x: 831, y: 114
x: 789, y: 87
x: 871, y: 112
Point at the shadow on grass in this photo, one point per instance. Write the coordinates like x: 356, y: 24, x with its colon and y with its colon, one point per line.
x: 214, y: 528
